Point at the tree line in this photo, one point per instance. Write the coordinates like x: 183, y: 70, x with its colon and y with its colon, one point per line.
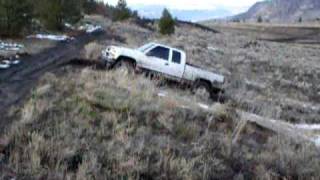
x: 17, y: 17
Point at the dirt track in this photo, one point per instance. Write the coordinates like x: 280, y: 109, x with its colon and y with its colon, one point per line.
x: 17, y: 82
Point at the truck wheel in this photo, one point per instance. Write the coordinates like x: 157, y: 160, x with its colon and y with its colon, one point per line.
x: 126, y: 67
x: 202, y: 90
x: 218, y: 96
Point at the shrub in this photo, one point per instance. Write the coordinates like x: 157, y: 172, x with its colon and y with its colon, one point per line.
x: 93, y: 51
x: 54, y: 13
x: 122, y: 12
x: 15, y: 16
x: 167, y: 23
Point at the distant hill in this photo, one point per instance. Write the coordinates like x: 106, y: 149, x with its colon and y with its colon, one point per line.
x: 155, y: 11
x: 282, y: 11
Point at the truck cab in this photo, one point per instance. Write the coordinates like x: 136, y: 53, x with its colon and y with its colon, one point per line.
x: 164, y: 59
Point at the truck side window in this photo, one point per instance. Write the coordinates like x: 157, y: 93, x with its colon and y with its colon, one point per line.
x: 159, y: 52
x: 176, y: 57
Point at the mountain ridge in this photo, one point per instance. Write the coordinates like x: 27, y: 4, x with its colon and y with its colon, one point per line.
x: 155, y: 12
x: 282, y: 11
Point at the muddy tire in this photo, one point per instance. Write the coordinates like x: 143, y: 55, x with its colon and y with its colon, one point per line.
x: 202, y: 90
x: 218, y: 96
x: 126, y: 67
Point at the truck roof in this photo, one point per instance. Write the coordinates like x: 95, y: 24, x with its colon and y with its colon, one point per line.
x: 166, y: 46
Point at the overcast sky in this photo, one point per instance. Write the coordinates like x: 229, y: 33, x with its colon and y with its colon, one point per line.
x: 234, y: 6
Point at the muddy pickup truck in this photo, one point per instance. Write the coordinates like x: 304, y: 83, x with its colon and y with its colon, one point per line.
x: 166, y: 61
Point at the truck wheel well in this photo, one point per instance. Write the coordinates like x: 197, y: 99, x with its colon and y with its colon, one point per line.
x: 198, y: 81
x: 125, y: 58
x: 214, y: 89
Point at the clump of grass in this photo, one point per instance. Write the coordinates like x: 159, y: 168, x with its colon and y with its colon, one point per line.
x: 92, y: 51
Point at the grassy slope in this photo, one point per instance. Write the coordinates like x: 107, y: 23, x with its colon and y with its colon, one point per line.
x: 98, y: 125
x: 274, y: 80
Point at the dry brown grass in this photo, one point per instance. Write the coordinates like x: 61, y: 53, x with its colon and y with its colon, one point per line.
x: 92, y: 51
x: 103, y: 125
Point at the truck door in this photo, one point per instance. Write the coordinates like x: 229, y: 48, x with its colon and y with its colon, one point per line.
x: 158, y: 59
x: 177, y: 63
x: 167, y: 61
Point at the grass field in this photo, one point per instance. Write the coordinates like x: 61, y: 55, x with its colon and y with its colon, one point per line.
x: 86, y: 123
x: 304, y: 33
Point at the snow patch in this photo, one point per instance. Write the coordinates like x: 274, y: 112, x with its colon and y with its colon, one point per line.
x: 316, y: 141
x: 10, y: 46
x: 51, y: 37
x: 213, y: 48
x: 162, y: 94
x: 203, y: 106
x: 70, y: 26
x: 89, y: 28
x: 4, y: 66
x: 308, y: 126
x: 217, y: 50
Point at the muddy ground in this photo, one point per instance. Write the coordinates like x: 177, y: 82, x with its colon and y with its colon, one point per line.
x: 16, y: 83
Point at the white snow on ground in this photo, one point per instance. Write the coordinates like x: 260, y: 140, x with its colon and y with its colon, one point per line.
x: 94, y: 29
x: 203, y: 106
x: 51, y: 37
x: 10, y: 46
x: 89, y: 28
x: 213, y: 48
x: 68, y: 25
x: 308, y: 126
x: 12, y: 62
x: 162, y: 94
x: 316, y: 140
x: 4, y: 66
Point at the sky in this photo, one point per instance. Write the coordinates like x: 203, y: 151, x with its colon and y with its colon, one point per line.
x: 234, y: 6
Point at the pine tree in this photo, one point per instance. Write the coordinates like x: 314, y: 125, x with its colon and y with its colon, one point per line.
x: 167, y: 23
x: 122, y: 12
x: 89, y: 6
x: 15, y: 16
x: 72, y: 10
x: 54, y: 13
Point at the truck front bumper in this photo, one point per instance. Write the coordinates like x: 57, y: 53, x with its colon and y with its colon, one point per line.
x: 108, y: 63
x: 108, y: 58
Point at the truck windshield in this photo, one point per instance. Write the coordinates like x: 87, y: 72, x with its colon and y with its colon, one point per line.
x: 145, y: 47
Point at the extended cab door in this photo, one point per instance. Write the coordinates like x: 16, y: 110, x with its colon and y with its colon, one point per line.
x: 161, y: 60
x: 177, y: 63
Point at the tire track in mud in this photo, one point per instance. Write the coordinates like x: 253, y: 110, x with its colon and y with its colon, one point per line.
x: 17, y: 82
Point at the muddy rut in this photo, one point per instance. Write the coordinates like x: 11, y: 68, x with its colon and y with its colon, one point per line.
x: 17, y: 82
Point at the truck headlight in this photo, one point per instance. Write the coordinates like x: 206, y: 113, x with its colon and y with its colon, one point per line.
x: 109, y: 53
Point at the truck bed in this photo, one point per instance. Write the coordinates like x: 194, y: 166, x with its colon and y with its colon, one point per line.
x: 193, y: 73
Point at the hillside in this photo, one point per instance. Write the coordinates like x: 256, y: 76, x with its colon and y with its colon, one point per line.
x: 282, y: 11
x: 88, y: 123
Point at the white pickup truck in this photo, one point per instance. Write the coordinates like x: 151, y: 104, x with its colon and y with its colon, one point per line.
x: 167, y: 61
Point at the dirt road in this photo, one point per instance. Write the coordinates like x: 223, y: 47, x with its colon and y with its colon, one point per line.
x: 17, y: 82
